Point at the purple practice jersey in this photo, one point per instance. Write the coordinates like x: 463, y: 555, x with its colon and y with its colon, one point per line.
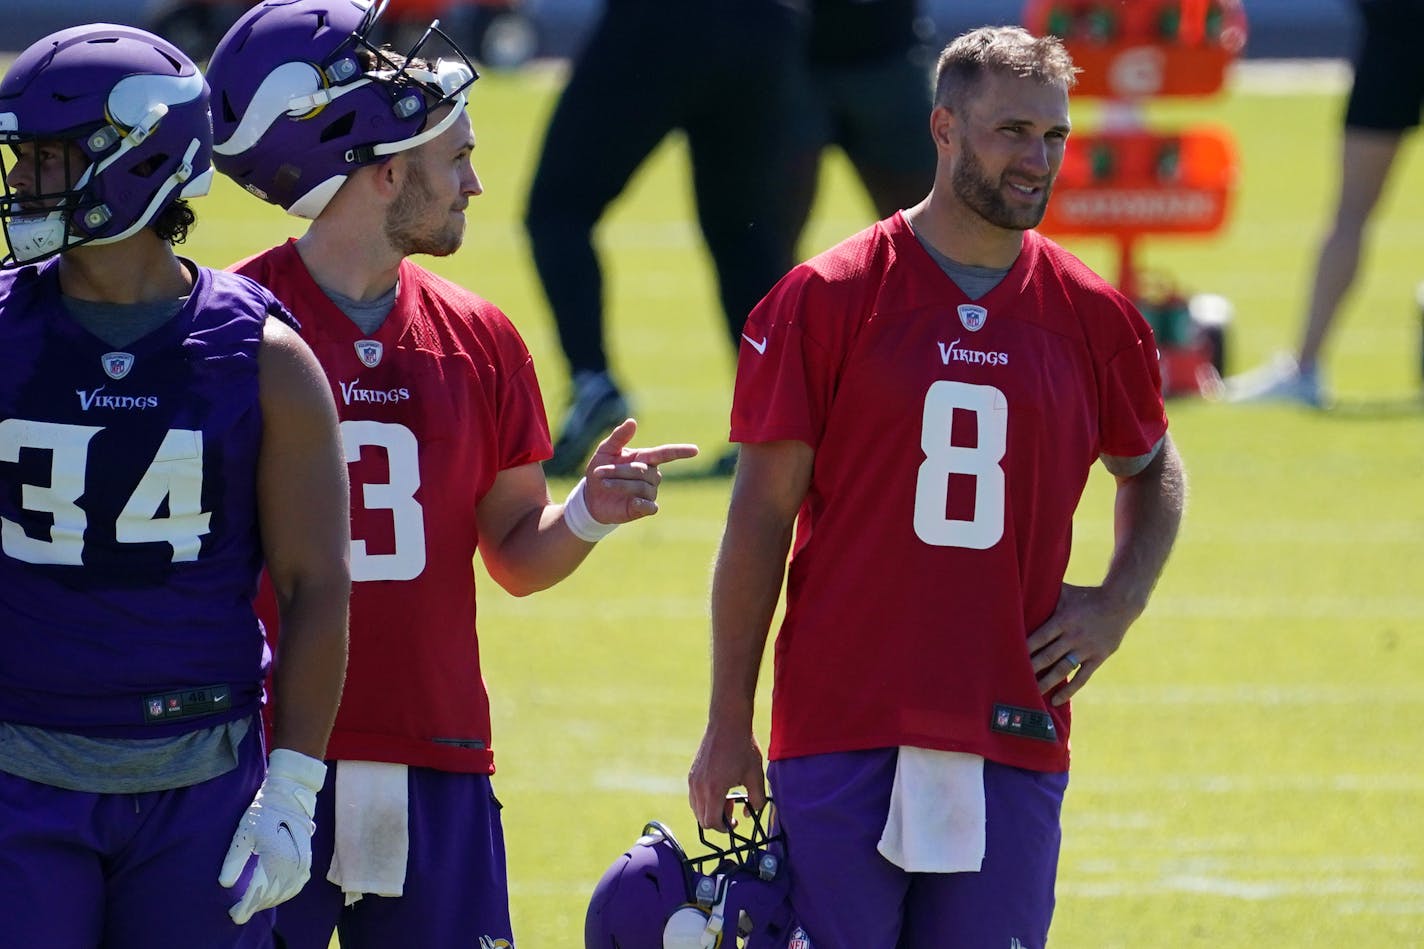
x: 129, y: 545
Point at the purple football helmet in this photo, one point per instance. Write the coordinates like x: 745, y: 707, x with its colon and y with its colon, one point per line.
x: 135, y: 108
x: 302, y: 97
x: 655, y: 896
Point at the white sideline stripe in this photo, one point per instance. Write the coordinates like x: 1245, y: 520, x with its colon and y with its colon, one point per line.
x: 1250, y: 890
x: 1168, y: 606
x: 1359, y: 532
x: 1248, y: 784
x: 1381, y: 908
x: 1256, y: 694
x: 641, y: 783
x: 645, y: 783
x: 1399, y: 868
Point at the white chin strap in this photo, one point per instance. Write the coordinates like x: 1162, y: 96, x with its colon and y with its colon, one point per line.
x: 33, y: 238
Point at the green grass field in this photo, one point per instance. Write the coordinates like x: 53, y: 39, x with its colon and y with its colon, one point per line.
x: 1249, y: 768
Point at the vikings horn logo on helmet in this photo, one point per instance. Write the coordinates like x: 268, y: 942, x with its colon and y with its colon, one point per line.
x: 303, y: 96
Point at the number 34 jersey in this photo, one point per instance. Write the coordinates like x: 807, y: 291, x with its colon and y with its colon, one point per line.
x: 953, y: 440
x: 128, y: 512
x: 433, y: 405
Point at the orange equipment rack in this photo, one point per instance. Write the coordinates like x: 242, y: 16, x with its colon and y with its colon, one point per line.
x: 1125, y: 180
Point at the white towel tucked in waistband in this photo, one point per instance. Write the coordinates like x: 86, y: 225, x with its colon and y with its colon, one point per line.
x: 372, y: 829
x: 936, y: 818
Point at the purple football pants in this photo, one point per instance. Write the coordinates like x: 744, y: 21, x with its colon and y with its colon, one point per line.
x: 847, y: 896
x: 456, y: 887
x: 126, y: 871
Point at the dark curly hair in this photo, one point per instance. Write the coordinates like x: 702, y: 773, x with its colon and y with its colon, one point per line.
x: 173, y: 222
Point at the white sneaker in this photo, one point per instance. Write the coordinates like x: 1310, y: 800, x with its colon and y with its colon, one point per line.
x: 1281, y: 380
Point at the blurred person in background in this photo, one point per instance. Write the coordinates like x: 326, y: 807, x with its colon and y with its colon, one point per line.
x: 866, y: 89
x: 1386, y: 95
x: 720, y: 71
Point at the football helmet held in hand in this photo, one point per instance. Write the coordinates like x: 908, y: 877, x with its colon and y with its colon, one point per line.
x: 656, y: 896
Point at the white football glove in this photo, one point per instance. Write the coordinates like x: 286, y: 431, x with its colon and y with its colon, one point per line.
x: 277, y: 828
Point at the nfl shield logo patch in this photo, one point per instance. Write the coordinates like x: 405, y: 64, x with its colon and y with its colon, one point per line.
x: 369, y: 351
x: 799, y: 939
x: 972, y: 316
x: 117, y: 365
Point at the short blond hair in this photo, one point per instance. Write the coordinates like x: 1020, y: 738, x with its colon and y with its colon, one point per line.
x: 999, y: 49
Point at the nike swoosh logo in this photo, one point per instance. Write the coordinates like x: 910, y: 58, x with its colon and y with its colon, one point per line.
x: 292, y: 837
x: 758, y: 344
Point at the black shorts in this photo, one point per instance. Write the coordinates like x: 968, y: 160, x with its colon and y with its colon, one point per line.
x: 1388, y: 90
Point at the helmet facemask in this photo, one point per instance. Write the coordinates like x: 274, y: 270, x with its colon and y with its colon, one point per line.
x: 130, y: 114
x: 734, y: 896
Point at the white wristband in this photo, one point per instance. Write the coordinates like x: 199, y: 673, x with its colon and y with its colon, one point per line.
x: 580, y: 522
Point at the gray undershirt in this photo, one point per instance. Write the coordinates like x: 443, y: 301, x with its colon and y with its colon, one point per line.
x: 120, y: 765
x: 120, y: 324
x: 368, y: 315
x: 974, y: 281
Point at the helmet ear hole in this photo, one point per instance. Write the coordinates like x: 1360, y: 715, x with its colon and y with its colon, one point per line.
x: 339, y: 128
x: 146, y: 168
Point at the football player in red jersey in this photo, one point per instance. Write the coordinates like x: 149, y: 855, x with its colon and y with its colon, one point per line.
x: 444, y: 431
x: 919, y: 409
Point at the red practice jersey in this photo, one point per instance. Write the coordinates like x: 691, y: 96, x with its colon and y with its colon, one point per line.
x: 433, y: 405
x: 953, y: 440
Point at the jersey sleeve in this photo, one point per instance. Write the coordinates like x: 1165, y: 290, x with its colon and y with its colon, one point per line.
x: 523, y: 425
x: 776, y: 396
x: 1132, y: 416
x: 791, y: 351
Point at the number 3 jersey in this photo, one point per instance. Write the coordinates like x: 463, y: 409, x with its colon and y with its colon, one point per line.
x: 433, y: 405
x: 128, y: 512
x: 953, y: 441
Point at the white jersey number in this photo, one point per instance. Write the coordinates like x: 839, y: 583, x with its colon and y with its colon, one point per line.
x: 397, y: 496
x: 175, y: 475
x: 981, y: 462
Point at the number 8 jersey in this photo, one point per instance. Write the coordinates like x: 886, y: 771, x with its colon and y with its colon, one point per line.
x: 128, y: 518
x: 433, y: 405
x: 953, y: 440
